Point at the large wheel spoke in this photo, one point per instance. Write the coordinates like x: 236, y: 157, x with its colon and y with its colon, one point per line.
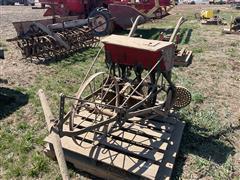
x: 98, y: 91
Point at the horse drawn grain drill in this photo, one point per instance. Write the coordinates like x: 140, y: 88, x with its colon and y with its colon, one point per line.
x: 136, y: 86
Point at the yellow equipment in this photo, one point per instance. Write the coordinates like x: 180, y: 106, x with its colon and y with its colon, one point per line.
x: 207, y: 14
x: 209, y: 17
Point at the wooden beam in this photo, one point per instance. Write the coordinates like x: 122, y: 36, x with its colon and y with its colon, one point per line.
x: 167, y: 165
x: 55, y: 137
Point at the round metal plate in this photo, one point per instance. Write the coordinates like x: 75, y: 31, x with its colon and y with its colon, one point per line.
x: 183, y: 97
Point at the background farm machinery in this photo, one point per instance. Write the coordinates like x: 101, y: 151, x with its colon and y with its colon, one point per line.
x: 77, y: 24
x: 12, y: 2
x: 123, y: 12
x: 210, y: 17
x: 234, y: 26
x: 136, y: 86
x: 42, y: 39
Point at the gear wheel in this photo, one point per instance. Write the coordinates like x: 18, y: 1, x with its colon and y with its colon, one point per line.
x: 183, y: 97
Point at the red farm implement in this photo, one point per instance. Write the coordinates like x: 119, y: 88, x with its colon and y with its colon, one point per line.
x: 120, y: 123
x: 123, y: 12
x: 76, y: 25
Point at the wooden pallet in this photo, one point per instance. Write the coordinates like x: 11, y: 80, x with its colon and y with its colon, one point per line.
x: 145, y: 149
x: 183, y: 58
x: 228, y: 31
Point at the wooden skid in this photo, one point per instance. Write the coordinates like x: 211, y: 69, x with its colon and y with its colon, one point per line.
x: 210, y: 22
x: 145, y: 149
x: 183, y: 58
x: 228, y: 31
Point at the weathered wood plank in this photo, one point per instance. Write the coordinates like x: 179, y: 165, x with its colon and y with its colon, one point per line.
x: 144, y: 130
x: 152, y: 124
x: 128, y: 163
x: 121, y: 146
x: 145, y: 141
x: 89, y: 165
x: 167, y: 165
x: 157, y: 142
x: 125, y: 152
x: 134, y: 126
x: 136, y: 151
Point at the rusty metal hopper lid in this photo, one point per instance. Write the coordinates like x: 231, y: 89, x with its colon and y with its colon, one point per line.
x: 137, y: 43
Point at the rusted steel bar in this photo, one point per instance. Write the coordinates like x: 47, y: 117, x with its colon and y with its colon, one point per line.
x: 54, y: 35
x: 57, y: 142
x: 146, y: 111
x: 93, y: 108
x: 157, y: 63
x: 89, y: 128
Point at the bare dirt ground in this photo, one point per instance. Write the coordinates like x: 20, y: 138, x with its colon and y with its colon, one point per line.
x: 213, y: 78
x: 16, y: 70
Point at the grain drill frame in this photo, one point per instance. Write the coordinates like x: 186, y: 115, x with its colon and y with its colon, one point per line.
x: 106, y: 101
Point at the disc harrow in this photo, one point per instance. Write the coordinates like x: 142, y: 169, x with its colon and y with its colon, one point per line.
x: 40, y: 42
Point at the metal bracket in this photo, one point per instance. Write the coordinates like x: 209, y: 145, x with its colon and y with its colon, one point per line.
x: 50, y: 33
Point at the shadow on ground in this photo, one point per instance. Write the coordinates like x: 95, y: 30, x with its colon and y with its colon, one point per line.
x: 207, y: 147
x: 10, y: 101
x: 70, y: 57
x: 154, y: 33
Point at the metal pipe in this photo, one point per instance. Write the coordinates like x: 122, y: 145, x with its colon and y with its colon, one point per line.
x: 146, y: 111
x: 68, y: 24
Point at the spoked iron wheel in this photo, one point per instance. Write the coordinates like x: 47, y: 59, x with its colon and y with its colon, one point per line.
x: 97, y: 99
